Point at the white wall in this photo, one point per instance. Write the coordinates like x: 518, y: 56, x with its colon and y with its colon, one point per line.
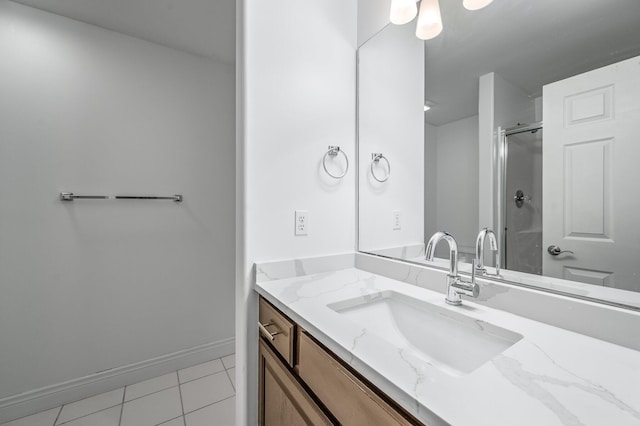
x: 501, y: 104
x: 487, y: 152
x: 512, y: 104
x: 373, y: 15
x: 299, y: 97
x: 391, y: 122
x: 95, y: 285
x: 457, y: 169
x: 430, y: 180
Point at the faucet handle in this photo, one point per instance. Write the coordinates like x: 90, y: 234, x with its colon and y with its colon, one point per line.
x: 497, y: 273
x: 483, y: 270
x: 468, y: 288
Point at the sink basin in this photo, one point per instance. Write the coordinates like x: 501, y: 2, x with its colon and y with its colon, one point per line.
x: 453, y: 342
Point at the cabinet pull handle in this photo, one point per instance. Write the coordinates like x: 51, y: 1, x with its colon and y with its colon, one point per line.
x: 265, y: 332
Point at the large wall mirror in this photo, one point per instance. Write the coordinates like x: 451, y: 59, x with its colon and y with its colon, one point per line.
x: 532, y: 130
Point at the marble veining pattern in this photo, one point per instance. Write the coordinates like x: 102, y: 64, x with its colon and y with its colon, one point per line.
x: 572, y: 314
x: 268, y: 271
x: 401, y: 252
x: 550, y: 377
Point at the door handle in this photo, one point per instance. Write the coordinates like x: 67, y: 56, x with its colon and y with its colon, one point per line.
x: 555, y: 250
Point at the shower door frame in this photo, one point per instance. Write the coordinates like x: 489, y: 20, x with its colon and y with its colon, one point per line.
x: 503, y: 154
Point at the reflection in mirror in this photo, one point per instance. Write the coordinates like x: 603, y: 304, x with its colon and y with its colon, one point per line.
x: 533, y: 113
x: 522, y: 241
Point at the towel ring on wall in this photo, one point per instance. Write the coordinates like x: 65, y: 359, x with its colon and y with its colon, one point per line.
x: 333, y: 152
x: 375, y: 159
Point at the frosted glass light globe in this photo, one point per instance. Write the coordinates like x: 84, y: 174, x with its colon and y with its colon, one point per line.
x: 429, y: 20
x: 402, y: 11
x: 475, y: 4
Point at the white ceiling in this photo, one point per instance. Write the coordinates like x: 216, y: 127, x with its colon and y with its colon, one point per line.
x: 529, y: 43
x: 202, y: 27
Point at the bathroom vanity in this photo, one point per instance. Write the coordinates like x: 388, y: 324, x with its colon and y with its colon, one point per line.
x: 302, y: 382
x: 342, y: 344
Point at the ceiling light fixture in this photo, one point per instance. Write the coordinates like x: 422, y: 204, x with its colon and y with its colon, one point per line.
x: 475, y: 4
x: 403, y: 11
x: 429, y: 19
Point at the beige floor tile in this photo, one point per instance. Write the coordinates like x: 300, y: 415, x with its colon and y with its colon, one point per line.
x: 232, y: 376
x: 90, y: 405
x: 222, y: 413
x: 108, y: 417
x: 152, y: 409
x: 150, y: 386
x: 206, y: 390
x: 45, y: 418
x: 175, y: 422
x: 200, y: 370
x: 229, y: 361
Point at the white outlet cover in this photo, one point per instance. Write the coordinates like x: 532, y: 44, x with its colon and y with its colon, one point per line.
x: 397, y: 220
x: 301, y: 222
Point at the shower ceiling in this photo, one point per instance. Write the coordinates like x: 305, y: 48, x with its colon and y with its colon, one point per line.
x: 528, y: 43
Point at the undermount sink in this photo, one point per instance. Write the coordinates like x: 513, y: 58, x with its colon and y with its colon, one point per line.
x: 453, y: 342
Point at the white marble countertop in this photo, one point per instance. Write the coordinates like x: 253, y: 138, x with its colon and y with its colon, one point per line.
x: 550, y: 377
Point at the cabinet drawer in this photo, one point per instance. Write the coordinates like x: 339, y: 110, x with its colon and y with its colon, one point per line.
x: 349, y: 399
x: 277, y: 329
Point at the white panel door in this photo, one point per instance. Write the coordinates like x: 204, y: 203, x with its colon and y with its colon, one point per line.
x: 591, y: 176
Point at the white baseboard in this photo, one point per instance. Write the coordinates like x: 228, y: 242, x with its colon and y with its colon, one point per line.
x: 45, y: 398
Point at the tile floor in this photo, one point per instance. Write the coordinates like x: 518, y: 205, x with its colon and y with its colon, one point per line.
x: 202, y: 395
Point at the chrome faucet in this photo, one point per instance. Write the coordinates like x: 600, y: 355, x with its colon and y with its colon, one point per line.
x: 493, y: 245
x: 455, y: 285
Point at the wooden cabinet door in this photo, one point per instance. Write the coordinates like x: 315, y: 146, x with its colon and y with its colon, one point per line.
x: 282, y: 400
x: 349, y: 399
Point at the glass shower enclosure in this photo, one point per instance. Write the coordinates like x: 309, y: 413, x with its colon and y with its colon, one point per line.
x: 522, y: 204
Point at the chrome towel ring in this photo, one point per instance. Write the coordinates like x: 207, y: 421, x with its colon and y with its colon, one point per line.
x: 375, y: 159
x: 333, y: 152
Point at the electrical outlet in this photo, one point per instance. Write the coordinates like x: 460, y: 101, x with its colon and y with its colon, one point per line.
x: 397, y: 223
x: 302, y: 222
